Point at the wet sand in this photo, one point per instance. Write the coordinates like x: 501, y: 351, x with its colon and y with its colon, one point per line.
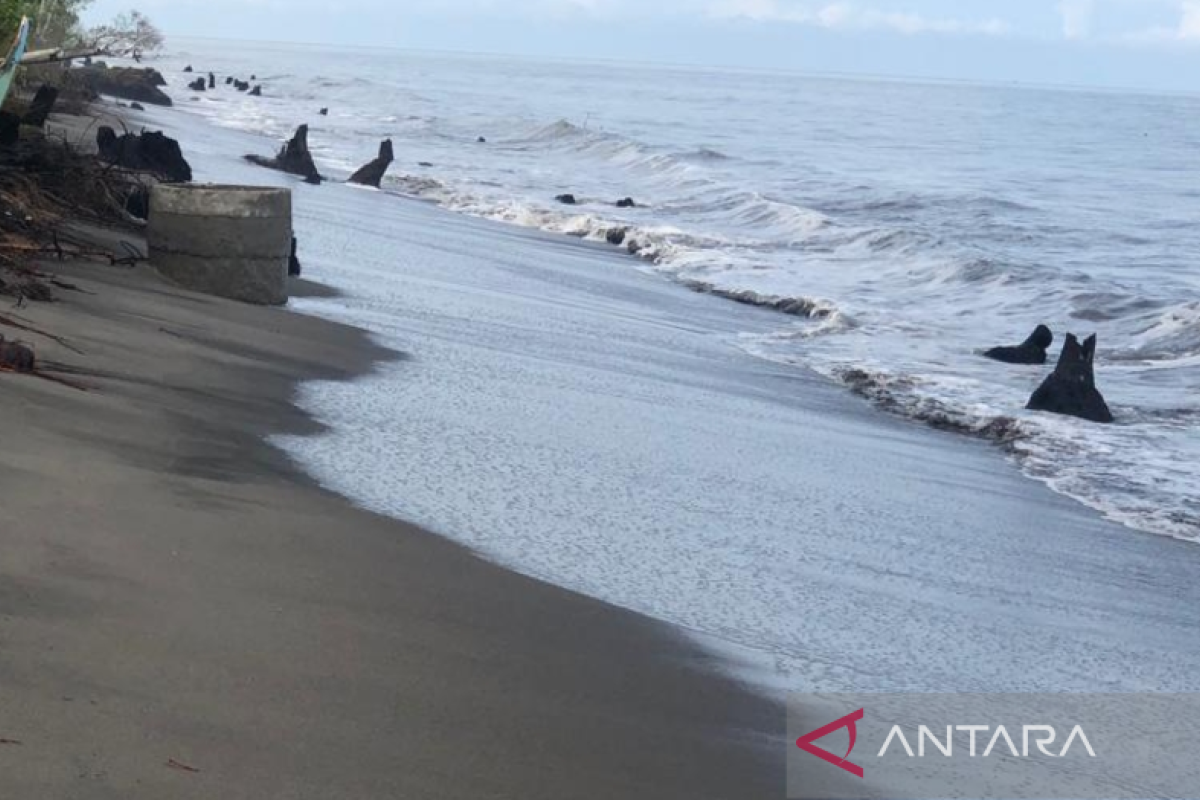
x: 175, y: 596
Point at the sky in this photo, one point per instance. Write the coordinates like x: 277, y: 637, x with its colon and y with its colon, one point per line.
x: 1152, y: 44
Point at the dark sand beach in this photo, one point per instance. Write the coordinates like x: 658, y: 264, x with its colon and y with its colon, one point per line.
x: 185, y: 613
x: 182, y: 614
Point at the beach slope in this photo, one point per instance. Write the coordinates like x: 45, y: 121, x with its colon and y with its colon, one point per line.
x: 184, y: 615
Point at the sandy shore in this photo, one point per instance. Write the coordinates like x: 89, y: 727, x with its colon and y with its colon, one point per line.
x: 174, y: 596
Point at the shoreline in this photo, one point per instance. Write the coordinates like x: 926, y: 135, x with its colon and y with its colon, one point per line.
x: 177, y: 595
x: 195, y: 596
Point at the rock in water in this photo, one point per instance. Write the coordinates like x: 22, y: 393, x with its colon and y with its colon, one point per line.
x: 127, y: 83
x: 1032, y: 351
x: 229, y: 80
x: 198, y: 85
x: 16, y: 357
x: 626, y: 203
x: 137, y: 106
x: 152, y: 152
x: 615, y: 236
x: 482, y: 140
x: 1071, y: 389
x: 188, y: 68
x: 294, y: 158
x: 256, y: 91
x: 41, y: 106
x: 324, y: 112
x: 372, y: 174
x: 212, y: 81
x: 566, y: 199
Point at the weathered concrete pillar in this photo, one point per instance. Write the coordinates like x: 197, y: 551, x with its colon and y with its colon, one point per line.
x: 230, y: 241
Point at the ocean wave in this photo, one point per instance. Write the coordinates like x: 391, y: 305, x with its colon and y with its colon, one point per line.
x: 703, y: 155
x: 1173, y: 335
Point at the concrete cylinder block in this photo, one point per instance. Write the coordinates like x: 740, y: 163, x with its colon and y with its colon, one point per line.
x: 230, y: 241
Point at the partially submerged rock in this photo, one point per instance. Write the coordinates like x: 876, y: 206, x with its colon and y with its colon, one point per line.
x: 616, y: 236
x: 150, y: 151
x: 188, y: 68
x: 626, y: 203
x: 212, y: 81
x: 127, y: 83
x: 16, y: 357
x: 566, y: 199
x: 1031, y: 351
x: 198, y: 85
x: 293, y: 158
x: 1071, y: 389
x: 372, y: 173
x: 324, y: 112
x: 41, y: 106
x: 256, y: 91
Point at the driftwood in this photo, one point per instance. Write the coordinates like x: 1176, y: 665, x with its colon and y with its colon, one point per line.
x: 1031, y: 351
x: 293, y: 158
x: 44, y: 183
x: 1071, y: 389
x: 372, y: 173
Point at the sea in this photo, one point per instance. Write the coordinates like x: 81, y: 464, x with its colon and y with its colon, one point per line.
x: 589, y: 413
x: 902, y: 227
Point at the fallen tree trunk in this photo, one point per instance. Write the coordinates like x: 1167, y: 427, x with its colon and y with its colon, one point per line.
x: 293, y: 158
x: 372, y: 174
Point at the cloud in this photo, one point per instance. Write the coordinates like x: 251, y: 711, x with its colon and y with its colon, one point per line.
x: 1189, y: 23
x: 1185, y: 31
x: 850, y: 16
x: 1077, y: 18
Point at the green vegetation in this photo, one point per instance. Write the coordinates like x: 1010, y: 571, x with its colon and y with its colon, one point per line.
x: 56, y: 22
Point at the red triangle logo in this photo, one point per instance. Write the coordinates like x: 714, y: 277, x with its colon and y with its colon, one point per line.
x: 850, y: 722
